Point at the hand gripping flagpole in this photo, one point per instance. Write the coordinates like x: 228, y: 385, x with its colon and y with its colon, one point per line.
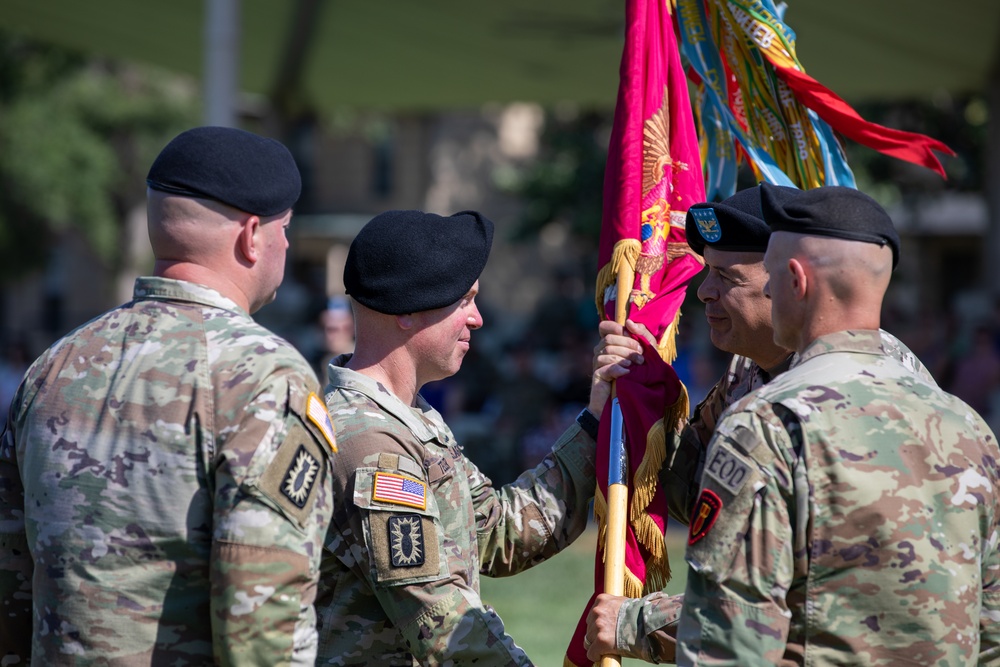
x: 614, y: 548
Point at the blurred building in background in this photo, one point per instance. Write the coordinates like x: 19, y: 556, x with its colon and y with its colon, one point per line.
x: 532, y: 167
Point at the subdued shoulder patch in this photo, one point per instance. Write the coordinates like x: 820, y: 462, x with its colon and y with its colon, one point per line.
x: 399, y: 490
x: 318, y: 414
x: 300, y: 477
x: 404, y: 547
x: 291, y: 478
x: 706, y: 511
x: 406, y: 540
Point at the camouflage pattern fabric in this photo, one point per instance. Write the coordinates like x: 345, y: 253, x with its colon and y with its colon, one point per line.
x: 164, y: 491
x: 848, y: 515
x: 647, y: 627
x: 420, y: 523
x: 686, y: 451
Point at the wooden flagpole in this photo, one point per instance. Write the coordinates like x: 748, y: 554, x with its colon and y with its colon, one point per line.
x: 614, y: 548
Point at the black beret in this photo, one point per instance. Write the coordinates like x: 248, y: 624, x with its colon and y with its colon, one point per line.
x: 734, y: 224
x: 829, y: 210
x: 254, y: 174
x: 410, y: 261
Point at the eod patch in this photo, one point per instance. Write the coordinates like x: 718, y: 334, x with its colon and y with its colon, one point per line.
x: 706, y: 511
x: 406, y: 540
x: 297, y: 469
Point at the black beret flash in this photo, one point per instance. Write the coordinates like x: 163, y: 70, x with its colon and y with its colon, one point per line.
x: 734, y: 224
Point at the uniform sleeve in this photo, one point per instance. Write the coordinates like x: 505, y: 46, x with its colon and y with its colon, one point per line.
x: 686, y: 455
x: 647, y: 627
x: 391, y: 532
x: 989, y: 626
x: 272, y: 505
x: 739, y: 550
x: 16, y: 565
x: 989, y: 618
x: 540, y: 513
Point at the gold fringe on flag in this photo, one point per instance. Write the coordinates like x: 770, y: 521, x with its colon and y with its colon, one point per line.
x: 643, y: 488
x: 625, y: 250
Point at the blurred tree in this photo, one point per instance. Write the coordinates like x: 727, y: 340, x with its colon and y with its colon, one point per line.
x: 76, y: 138
x: 960, y: 121
x: 566, y: 181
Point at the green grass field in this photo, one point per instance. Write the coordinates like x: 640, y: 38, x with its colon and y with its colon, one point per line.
x: 540, y: 607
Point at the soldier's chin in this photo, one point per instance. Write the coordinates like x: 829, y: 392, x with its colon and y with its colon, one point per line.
x: 719, y: 339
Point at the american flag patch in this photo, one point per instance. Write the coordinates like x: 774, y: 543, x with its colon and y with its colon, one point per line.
x: 399, y: 490
x: 317, y: 413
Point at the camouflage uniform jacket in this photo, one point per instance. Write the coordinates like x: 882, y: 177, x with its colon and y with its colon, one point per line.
x: 647, y: 627
x: 420, y: 523
x: 164, y: 491
x: 686, y: 452
x: 848, y: 514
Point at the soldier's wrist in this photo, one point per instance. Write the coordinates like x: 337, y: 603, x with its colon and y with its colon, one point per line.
x: 588, y: 422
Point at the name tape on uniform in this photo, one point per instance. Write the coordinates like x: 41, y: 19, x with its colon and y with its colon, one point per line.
x: 399, y: 490
x: 727, y: 469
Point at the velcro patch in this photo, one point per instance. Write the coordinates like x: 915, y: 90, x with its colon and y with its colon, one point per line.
x: 727, y: 469
x: 403, y: 547
x: 300, y: 477
x: 297, y: 469
x: 406, y: 540
x: 706, y: 511
x: 399, y: 490
x: 320, y: 416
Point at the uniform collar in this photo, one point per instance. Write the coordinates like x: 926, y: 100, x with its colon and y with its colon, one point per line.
x: 768, y: 374
x: 858, y: 341
x: 423, y: 421
x: 168, y: 289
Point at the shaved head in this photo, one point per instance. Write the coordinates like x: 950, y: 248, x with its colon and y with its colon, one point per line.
x: 851, y: 269
x: 184, y: 229
x: 820, y: 284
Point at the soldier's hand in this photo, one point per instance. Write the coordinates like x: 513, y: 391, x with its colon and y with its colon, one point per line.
x: 602, y: 624
x: 612, y: 357
x: 616, y: 344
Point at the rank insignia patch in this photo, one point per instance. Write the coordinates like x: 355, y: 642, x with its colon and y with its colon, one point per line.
x: 318, y: 415
x: 406, y: 540
x: 300, y: 477
x: 399, y: 490
x: 707, y: 223
x: 704, y: 515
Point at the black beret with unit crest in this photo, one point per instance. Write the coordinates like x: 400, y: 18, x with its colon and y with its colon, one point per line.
x: 735, y: 224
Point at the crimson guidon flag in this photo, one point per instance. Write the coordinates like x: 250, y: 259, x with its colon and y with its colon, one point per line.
x: 653, y: 176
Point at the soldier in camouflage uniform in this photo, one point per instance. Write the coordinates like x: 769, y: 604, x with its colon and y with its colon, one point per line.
x: 420, y: 523
x: 165, y: 475
x: 732, y: 236
x: 848, y: 511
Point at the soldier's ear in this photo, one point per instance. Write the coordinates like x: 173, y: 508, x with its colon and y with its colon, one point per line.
x: 246, y: 243
x: 405, y: 322
x: 800, y: 280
